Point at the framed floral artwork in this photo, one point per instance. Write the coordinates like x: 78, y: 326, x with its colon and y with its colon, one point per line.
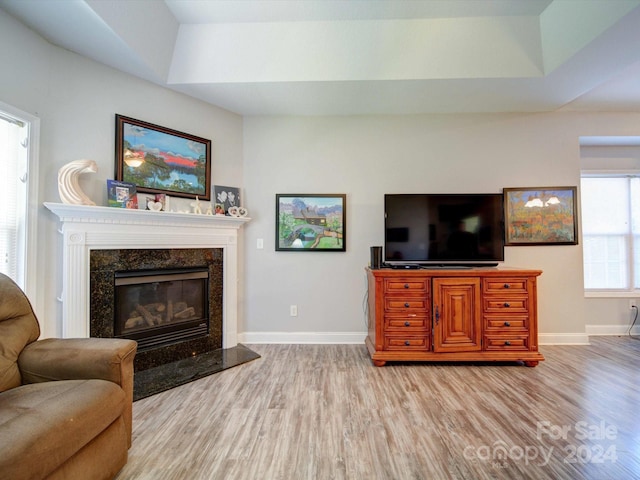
x: 540, y: 216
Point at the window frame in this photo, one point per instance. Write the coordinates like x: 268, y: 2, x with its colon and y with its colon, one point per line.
x: 31, y: 256
x: 630, y: 292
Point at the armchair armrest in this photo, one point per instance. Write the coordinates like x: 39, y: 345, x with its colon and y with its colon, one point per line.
x: 77, y: 358
x: 82, y: 358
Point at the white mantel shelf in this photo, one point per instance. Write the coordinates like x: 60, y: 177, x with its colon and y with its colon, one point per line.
x: 95, y: 214
x: 86, y: 228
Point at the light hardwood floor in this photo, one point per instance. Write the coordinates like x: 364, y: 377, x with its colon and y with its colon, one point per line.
x: 325, y: 412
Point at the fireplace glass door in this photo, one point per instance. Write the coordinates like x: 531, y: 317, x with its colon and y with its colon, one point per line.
x: 161, y: 306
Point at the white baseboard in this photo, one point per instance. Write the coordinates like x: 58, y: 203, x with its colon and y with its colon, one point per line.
x: 611, y: 330
x: 563, y: 338
x: 302, y: 337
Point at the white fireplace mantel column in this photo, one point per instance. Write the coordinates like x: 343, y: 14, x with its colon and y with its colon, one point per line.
x: 86, y: 228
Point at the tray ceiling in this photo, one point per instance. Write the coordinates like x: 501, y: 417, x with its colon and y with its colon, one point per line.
x: 351, y: 57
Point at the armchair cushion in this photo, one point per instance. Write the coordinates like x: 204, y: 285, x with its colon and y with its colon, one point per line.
x: 18, y: 328
x: 44, y: 425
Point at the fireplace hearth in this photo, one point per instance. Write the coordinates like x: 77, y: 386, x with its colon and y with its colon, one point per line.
x: 171, y: 302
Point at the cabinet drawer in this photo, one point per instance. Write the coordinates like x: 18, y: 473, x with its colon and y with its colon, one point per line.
x: 506, y: 322
x: 504, y: 286
x: 506, y: 304
x: 409, y: 321
x: 407, y: 342
x: 506, y: 342
x: 405, y: 304
x: 406, y: 285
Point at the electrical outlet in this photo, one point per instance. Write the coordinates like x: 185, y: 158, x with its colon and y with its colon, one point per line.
x: 260, y: 244
x: 293, y: 310
x: 633, y: 304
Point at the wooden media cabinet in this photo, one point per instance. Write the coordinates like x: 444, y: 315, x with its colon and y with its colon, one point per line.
x: 456, y: 314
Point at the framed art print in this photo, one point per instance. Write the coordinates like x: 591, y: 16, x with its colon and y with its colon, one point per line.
x: 160, y: 160
x: 311, y: 222
x: 121, y: 194
x: 226, y: 198
x: 540, y: 216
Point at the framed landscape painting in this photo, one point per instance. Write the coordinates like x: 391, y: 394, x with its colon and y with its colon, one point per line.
x: 540, y: 216
x: 311, y: 222
x: 160, y: 160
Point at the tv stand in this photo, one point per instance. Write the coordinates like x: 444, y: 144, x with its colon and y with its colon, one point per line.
x: 450, y: 314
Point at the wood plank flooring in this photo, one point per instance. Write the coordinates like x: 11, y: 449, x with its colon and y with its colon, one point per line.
x: 325, y: 412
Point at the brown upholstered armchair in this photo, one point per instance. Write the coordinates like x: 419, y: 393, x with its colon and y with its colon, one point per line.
x: 65, y: 404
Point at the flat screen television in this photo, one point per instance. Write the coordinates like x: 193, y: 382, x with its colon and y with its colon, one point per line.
x: 443, y: 229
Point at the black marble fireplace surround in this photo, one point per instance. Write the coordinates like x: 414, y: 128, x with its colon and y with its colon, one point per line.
x: 167, y: 366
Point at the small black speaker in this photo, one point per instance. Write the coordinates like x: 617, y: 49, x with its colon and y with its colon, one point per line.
x: 376, y: 257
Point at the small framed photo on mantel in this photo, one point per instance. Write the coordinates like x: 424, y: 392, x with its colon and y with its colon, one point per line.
x: 121, y: 194
x: 225, y: 198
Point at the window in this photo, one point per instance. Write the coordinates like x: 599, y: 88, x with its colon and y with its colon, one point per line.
x: 611, y: 232
x: 17, y: 207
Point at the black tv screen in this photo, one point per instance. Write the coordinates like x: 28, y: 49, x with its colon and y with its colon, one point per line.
x: 444, y: 228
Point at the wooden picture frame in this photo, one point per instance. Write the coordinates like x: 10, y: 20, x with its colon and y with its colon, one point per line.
x: 540, y: 216
x: 160, y: 160
x: 311, y: 222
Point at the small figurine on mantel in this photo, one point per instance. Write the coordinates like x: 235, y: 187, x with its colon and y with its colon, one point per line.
x: 196, y: 206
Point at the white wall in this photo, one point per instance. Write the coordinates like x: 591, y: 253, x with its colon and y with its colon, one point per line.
x: 76, y: 100
x: 366, y: 157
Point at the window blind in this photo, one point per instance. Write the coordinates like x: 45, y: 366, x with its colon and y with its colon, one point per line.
x: 13, y: 176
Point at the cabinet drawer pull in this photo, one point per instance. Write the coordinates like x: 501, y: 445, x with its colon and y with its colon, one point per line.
x: 507, y: 324
x: 506, y: 285
x: 407, y: 324
x: 406, y: 285
x: 407, y: 305
x: 407, y: 343
x: 506, y: 305
x: 507, y: 343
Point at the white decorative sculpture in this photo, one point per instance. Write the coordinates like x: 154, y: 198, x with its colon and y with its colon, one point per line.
x: 196, y: 206
x: 68, y: 185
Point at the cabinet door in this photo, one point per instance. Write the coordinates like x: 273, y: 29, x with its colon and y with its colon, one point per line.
x: 457, y: 313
